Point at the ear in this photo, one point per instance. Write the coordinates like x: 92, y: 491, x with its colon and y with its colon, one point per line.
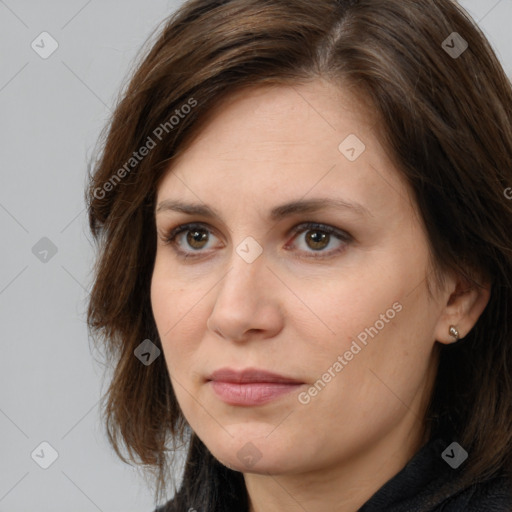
x: 464, y: 303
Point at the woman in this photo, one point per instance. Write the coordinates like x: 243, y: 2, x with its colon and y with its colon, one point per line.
x: 365, y: 365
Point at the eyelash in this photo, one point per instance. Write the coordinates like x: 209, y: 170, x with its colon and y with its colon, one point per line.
x: 170, y: 237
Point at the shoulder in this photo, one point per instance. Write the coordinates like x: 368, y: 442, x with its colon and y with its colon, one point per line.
x: 493, y: 495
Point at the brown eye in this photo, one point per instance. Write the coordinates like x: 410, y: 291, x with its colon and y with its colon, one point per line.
x: 189, y: 240
x: 196, y: 238
x: 317, y: 240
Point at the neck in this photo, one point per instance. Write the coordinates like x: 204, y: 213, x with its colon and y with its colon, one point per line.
x: 344, y: 488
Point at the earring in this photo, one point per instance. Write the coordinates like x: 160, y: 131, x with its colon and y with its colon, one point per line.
x: 454, y: 332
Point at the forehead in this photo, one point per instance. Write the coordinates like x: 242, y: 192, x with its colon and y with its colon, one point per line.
x: 285, y: 114
x: 285, y: 141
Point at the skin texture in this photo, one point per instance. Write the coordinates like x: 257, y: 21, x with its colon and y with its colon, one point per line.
x: 292, y: 312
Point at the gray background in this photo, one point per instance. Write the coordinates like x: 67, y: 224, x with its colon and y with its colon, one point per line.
x: 51, y: 113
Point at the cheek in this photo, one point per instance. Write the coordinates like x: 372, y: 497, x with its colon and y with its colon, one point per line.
x: 336, y: 310
x: 173, y: 310
x: 172, y: 300
x: 378, y: 323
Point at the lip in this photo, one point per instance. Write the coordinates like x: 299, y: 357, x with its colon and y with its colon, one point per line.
x: 250, y: 386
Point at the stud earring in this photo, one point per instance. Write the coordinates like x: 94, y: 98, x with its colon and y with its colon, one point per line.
x: 454, y: 332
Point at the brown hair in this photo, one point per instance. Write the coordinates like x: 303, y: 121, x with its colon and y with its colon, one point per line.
x: 446, y: 123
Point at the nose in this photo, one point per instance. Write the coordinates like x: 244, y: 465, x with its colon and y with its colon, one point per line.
x: 247, y: 304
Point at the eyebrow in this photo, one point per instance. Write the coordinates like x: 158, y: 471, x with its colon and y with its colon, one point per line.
x: 277, y: 213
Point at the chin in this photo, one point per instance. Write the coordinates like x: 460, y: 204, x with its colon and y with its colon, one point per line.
x: 255, y: 453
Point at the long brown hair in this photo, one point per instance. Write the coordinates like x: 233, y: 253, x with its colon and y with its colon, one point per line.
x: 445, y: 120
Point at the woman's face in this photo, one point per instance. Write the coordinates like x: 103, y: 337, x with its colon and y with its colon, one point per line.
x: 339, y: 310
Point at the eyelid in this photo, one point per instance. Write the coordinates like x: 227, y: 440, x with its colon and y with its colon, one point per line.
x: 327, y: 228
x: 188, y: 227
x: 340, y: 234
x: 169, y: 237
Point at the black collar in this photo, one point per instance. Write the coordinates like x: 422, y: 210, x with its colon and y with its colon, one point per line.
x: 418, y: 487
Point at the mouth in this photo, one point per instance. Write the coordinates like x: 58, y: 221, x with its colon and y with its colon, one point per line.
x: 250, y: 387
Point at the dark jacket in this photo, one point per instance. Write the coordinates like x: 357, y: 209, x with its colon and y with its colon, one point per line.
x: 415, y: 488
